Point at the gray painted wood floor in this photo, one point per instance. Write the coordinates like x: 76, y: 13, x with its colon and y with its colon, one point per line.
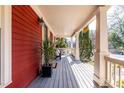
x: 68, y: 74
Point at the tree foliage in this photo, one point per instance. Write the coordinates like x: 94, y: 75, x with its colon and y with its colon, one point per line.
x: 85, y: 45
x: 116, y: 41
x: 116, y: 27
x: 61, y: 43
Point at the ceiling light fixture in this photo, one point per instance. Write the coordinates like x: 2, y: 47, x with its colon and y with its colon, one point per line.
x: 40, y: 20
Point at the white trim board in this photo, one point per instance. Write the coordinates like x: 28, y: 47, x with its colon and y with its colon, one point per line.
x: 0, y: 45
x: 6, y: 53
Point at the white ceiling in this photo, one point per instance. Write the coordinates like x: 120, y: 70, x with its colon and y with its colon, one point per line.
x: 65, y: 19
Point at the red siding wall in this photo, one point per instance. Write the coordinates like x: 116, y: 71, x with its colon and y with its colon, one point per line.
x: 26, y: 40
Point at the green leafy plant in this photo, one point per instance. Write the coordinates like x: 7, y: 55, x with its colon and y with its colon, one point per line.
x: 116, y: 41
x: 60, y: 43
x: 85, y: 46
x: 48, y: 51
x: 122, y: 83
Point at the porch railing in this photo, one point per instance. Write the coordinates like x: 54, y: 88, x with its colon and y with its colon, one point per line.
x: 67, y: 50
x: 114, y: 72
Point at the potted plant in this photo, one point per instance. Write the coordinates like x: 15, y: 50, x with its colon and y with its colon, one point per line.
x: 48, y: 51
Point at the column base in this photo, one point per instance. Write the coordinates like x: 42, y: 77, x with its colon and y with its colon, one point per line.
x: 99, y: 68
x: 99, y: 81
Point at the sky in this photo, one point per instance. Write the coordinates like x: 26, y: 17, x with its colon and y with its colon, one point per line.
x: 92, y: 25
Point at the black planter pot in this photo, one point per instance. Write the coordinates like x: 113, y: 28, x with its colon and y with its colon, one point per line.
x: 47, y: 70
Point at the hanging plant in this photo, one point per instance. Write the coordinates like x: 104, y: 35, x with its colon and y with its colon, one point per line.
x: 85, y: 45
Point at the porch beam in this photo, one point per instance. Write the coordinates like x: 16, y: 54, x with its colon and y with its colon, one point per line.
x: 90, y: 18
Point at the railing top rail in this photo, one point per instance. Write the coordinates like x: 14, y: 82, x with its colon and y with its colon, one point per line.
x: 115, y: 60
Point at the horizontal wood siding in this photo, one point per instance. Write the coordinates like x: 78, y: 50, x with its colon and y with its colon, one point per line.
x: 26, y: 41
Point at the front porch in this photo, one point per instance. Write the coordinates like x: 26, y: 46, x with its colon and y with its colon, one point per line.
x: 30, y: 29
x: 68, y: 74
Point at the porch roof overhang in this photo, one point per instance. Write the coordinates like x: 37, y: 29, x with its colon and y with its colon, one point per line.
x: 66, y: 20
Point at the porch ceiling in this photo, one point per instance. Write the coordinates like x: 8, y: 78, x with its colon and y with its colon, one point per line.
x: 65, y: 19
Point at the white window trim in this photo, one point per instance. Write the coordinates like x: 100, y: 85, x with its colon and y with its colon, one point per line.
x: 6, y: 53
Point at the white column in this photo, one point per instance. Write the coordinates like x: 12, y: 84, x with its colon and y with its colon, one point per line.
x: 71, y: 42
x: 77, y: 56
x: 101, y: 46
x: 0, y: 42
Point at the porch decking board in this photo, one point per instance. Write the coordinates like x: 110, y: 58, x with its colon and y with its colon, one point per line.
x: 42, y: 84
x: 61, y: 74
x: 51, y: 84
x: 36, y: 85
x: 80, y: 78
x: 89, y: 72
x: 56, y: 81
x: 84, y: 77
x: 64, y: 75
x: 68, y: 74
x: 87, y: 77
x: 73, y: 80
x: 90, y: 77
x: 47, y: 83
